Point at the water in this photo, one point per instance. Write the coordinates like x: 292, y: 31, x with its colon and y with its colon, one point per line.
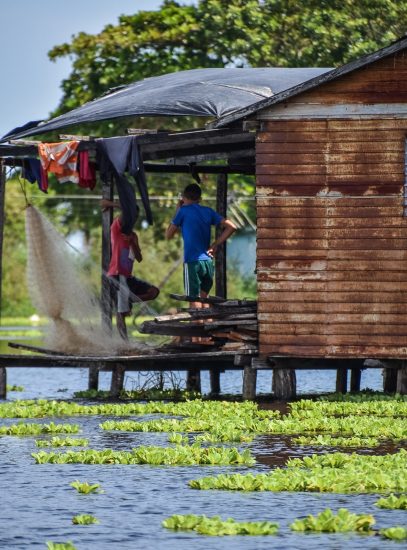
x: 37, y: 502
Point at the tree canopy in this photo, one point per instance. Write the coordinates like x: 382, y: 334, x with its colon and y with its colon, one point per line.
x: 219, y: 33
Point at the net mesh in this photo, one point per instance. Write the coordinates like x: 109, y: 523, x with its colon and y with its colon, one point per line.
x: 59, y: 292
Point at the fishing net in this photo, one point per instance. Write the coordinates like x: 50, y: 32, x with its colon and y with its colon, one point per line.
x: 59, y: 292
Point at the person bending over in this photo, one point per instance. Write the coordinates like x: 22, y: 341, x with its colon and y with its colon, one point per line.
x: 126, y: 249
x: 195, y: 221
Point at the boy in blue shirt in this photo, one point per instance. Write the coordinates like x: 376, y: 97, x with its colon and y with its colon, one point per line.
x: 195, y: 223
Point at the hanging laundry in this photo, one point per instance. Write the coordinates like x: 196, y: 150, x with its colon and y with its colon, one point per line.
x: 61, y: 159
x: 87, y: 171
x: 34, y: 172
x: 118, y: 155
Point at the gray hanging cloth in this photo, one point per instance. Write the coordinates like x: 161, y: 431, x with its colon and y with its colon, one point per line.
x: 115, y: 157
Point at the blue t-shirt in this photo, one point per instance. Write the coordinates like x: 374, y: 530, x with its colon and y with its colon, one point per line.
x: 195, y: 222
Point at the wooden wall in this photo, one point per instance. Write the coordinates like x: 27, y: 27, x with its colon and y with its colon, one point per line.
x: 332, y: 236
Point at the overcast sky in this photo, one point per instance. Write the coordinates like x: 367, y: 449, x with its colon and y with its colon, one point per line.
x: 30, y: 82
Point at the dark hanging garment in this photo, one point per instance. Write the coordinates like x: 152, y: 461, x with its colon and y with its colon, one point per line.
x: 136, y: 169
x: 87, y: 171
x: 34, y: 173
x: 116, y: 156
x: 111, y: 155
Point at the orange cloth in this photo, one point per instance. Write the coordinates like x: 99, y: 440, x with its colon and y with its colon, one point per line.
x: 61, y: 159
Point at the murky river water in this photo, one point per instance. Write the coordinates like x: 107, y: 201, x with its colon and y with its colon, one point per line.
x: 37, y: 503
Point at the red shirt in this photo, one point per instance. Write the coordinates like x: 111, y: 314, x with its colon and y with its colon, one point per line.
x: 120, y: 262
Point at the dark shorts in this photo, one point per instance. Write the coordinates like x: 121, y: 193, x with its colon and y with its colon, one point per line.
x: 198, y: 276
x: 129, y: 289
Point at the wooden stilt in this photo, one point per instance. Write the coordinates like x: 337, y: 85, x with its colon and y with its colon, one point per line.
x: 93, y: 379
x: 3, y: 383
x: 341, y: 380
x: 194, y: 380
x: 215, y: 382
x: 402, y: 379
x: 355, y: 377
x: 284, y: 384
x: 389, y: 380
x: 2, y: 216
x: 117, y: 380
x: 106, y: 293
x: 249, y: 382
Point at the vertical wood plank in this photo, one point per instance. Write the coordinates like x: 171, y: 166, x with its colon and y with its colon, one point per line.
x: 284, y: 384
x: 341, y: 380
x: 249, y: 383
x: 93, y: 378
x: 214, y: 376
x: 2, y: 216
x: 117, y: 382
x: 194, y: 380
x: 355, y: 377
x: 106, y: 293
x: 221, y: 208
x: 3, y: 383
x: 401, y: 387
x: 389, y: 380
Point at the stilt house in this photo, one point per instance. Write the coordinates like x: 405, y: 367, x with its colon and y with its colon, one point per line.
x: 331, y: 212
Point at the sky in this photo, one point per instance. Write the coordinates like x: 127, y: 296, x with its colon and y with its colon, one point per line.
x: 30, y: 82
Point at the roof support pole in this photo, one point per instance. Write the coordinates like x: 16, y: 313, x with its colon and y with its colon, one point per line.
x: 2, y: 215
x: 220, y: 273
x: 106, y: 293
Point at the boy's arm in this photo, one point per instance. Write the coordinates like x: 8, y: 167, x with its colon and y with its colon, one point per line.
x: 106, y: 203
x: 228, y: 228
x: 172, y: 229
x: 136, y: 247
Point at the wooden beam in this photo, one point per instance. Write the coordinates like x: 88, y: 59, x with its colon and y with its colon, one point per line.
x: 204, y: 169
x: 106, y: 293
x: 117, y: 382
x: 355, y: 377
x: 284, y: 384
x: 2, y: 216
x: 221, y: 208
x: 3, y: 383
x: 401, y: 387
x: 341, y: 380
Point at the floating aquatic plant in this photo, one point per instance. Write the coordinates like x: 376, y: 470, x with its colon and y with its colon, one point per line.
x: 36, y: 429
x: 84, y: 519
x: 394, y: 533
x: 327, y: 522
x: 332, y: 473
x: 392, y: 502
x: 62, y: 442
x: 215, y: 526
x: 331, y: 441
x: 170, y: 456
x: 146, y: 394
x: 14, y: 387
x: 86, y: 488
x: 60, y: 546
x: 178, y: 439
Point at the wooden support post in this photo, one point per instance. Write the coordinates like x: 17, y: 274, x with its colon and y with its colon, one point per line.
x: 214, y: 376
x: 2, y: 216
x: 93, y: 378
x: 194, y: 380
x: 402, y: 379
x: 117, y: 383
x: 3, y: 383
x: 220, y: 272
x: 355, y: 377
x: 341, y: 380
x: 389, y: 380
x: 249, y: 381
x: 284, y: 384
x: 106, y: 293
x: 221, y: 208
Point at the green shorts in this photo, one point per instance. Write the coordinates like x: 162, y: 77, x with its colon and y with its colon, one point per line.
x: 198, y: 276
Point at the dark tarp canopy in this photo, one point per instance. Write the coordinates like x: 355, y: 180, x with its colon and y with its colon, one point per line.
x: 199, y: 92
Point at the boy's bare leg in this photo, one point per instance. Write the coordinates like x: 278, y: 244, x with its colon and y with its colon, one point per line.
x: 121, y: 325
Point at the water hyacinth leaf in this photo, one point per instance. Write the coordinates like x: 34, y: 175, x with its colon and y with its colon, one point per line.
x: 394, y: 533
x: 22, y: 429
x: 84, y: 519
x: 62, y: 442
x: 60, y: 546
x: 392, y: 502
x: 327, y: 522
x: 215, y: 526
x: 86, y: 488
